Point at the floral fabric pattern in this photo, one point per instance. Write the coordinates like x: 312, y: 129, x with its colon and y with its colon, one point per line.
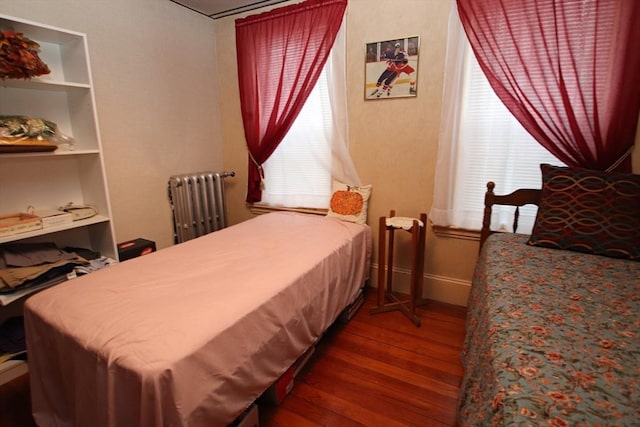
x: 553, y: 338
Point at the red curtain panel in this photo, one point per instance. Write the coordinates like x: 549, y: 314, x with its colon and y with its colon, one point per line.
x: 567, y: 70
x: 281, y: 54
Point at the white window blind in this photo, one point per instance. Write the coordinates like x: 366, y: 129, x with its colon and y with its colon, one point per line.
x: 480, y: 141
x: 298, y: 173
x: 495, y: 147
x: 314, y: 152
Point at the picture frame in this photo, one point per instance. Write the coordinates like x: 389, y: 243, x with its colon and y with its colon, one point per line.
x: 391, y: 68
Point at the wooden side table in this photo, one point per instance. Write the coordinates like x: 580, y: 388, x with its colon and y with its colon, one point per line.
x: 387, y: 300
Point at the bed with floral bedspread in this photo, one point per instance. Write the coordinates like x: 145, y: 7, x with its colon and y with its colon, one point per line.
x: 553, y: 338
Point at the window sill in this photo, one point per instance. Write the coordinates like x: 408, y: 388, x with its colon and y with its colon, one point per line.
x: 260, y: 209
x: 455, y: 233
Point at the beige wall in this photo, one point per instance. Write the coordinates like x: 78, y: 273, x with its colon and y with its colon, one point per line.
x: 154, y: 68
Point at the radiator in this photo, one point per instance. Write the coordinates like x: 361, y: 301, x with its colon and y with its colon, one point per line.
x: 198, y: 204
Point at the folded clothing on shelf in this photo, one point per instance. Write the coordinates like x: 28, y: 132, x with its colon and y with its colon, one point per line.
x: 28, y: 264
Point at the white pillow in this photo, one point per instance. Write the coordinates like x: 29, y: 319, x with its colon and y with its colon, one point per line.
x: 349, y: 202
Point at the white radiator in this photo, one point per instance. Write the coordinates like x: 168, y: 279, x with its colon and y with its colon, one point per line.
x: 198, y: 203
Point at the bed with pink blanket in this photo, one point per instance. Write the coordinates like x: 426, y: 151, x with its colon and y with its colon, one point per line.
x: 192, y: 334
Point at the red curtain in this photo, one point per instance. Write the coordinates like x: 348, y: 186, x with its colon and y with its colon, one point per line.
x: 567, y: 70
x: 281, y: 54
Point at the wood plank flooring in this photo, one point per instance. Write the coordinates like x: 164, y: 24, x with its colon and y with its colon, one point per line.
x: 378, y: 370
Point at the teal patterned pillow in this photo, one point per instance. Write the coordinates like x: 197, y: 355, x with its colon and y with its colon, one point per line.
x: 589, y: 211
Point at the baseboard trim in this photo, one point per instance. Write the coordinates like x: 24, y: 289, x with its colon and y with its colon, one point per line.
x: 449, y: 290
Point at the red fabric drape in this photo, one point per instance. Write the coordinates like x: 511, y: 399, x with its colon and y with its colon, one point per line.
x: 281, y: 54
x: 567, y: 70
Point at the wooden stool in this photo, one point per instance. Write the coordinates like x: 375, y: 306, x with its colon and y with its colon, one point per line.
x: 387, y: 301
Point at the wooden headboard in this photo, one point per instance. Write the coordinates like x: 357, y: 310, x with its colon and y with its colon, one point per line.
x: 523, y: 196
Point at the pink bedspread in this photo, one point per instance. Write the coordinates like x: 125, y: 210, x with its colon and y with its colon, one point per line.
x: 192, y: 334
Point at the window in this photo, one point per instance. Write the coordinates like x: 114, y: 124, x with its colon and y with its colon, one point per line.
x: 298, y: 172
x: 480, y: 141
x: 314, y: 151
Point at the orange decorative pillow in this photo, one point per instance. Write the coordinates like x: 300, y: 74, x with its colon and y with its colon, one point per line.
x: 349, y: 202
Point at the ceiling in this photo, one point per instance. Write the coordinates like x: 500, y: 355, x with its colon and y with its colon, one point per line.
x: 215, y: 9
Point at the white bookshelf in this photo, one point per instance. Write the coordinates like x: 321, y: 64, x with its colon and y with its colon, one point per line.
x: 47, y: 180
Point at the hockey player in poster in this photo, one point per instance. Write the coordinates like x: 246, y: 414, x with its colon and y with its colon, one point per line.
x: 397, y: 64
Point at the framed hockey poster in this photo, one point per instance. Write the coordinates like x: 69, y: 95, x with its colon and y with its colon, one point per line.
x: 391, y: 68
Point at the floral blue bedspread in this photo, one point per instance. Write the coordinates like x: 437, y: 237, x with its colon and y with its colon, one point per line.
x: 553, y: 338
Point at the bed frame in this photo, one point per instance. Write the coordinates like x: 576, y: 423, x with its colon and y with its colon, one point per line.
x: 539, y: 322
x: 520, y: 197
x: 193, y: 334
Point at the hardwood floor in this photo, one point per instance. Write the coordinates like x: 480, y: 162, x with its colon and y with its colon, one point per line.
x: 378, y: 370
